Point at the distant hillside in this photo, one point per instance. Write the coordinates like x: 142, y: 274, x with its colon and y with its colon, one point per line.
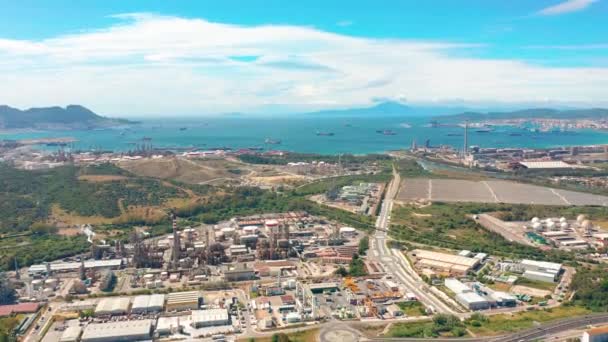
x: 389, y: 109
x: 70, y: 117
x: 533, y: 113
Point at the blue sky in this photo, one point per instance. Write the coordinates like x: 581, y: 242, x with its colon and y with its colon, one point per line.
x: 149, y: 57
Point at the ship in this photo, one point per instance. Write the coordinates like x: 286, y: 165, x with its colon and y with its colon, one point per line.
x: 514, y: 134
x: 183, y: 128
x: 386, y: 132
x: 325, y: 134
x: 272, y: 141
x: 484, y: 130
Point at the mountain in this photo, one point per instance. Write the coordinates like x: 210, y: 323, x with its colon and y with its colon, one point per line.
x: 389, y: 108
x: 70, y: 117
x: 531, y: 113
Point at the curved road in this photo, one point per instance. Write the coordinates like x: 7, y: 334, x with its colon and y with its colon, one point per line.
x: 346, y: 333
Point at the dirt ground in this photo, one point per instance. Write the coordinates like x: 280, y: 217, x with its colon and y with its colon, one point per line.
x: 185, y: 170
x: 530, y: 291
x: 101, y: 178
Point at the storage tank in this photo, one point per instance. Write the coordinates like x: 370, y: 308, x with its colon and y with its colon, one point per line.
x: 48, y: 292
x: 535, y: 220
x: 50, y: 283
x: 347, y: 231
x: 551, y: 225
x: 36, y: 284
x: 564, y: 225
x: 148, y: 277
x: 580, y: 218
x: 562, y: 220
x: 586, y: 224
x: 537, y: 226
x: 228, y: 231
x: 250, y: 230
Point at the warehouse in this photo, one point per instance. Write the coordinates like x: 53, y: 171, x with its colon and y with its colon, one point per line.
x: 542, y: 266
x: 146, y: 304
x: 118, y: 331
x: 71, y: 334
x: 445, y: 262
x: 96, y: 265
x: 180, y: 301
x: 112, y: 306
x: 548, y: 277
x: 210, y: 318
x: 456, y: 286
x: 472, y: 301
x: 239, y: 274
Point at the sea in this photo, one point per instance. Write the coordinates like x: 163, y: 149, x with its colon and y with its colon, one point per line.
x: 307, y: 134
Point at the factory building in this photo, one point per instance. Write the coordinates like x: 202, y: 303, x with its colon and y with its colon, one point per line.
x: 453, y: 264
x: 456, y: 286
x: 540, y: 270
x: 147, y: 304
x: 71, y: 334
x: 472, y: 301
x: 210, y: 318
x: 547, y: 277
x: 122, y: 331
x: 595, y: 335
x: 96, y: 265
x: 239, y: 273
x: 113, y: 306
x: 181, y: 301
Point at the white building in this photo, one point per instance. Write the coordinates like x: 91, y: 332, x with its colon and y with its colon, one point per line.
x: 113, y: 306
x: 540, y: 276
x: 210, y: 318
x: 456, y: 286
x: 146, y: 304
x: 472, y: 301
x: 118, y: 331
x: 596, y: 335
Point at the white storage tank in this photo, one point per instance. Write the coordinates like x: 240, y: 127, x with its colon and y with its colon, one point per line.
x: 562, y: 220
x: 250, y: 230
x: 535, y: 220
x: 228, y: 231
x: 551, y: 225
x: 36, y: 284
x: 580, y: 218
x: 537, y: 226
x: 586, y: 224
x: 564, y: 225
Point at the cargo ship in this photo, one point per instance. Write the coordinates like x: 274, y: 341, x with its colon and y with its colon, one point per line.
x: 325, y: 134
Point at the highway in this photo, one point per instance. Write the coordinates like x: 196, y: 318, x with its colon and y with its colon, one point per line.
x: 394, y: 263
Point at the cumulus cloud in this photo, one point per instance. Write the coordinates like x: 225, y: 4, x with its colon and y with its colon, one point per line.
x: 566, y: 7
x: 151, y: 64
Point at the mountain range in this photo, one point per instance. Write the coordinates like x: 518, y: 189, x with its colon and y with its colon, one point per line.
x: 54, y: 118
x: 531, y: 113
x: 390, y: 108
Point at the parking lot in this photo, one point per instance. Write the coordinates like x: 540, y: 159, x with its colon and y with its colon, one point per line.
x: 492, y: 191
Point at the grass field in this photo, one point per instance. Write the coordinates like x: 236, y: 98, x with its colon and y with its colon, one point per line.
x: 499, y: 324
x: 413, y: 308
x: 309, y: 335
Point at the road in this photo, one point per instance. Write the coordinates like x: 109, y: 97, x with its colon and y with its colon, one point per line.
x: 394, y: 263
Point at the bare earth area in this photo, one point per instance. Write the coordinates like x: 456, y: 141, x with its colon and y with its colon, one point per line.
x: 492, y: 191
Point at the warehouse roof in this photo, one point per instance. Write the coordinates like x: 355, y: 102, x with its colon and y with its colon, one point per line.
x: 470, y: 298
x: 456, y: 286
x: 444, y: 257
x: 71, y: 334
x: 117, y: 330
x: 181, y: 297
x: 113, y: 305
x: 542, y: 264
x: 211, y: 315
x: 66, y: 266
x: 550, y: 164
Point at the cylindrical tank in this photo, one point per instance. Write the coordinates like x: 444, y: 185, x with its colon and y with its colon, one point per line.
x: 562, y: 220
x: 50, y: 283
x: 586, y: 224
x: 36, y: 283
x: 48, y: 292
x: 228, y: 231
x: 580, y: 218
x: 537, y: 226
x: 550, y: 225
x: 564, y: 225
x: 148, y: 277
x: 535, y: 219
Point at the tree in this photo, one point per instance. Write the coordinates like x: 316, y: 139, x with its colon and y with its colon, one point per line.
x: 7, y: 292
x: 363, y: 245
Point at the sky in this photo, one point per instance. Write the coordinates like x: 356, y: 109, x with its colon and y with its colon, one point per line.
x: 162, y: 58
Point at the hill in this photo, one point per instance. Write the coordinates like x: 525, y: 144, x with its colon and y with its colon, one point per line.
x: 389, y: 108
x: 70, y: 117
x: 531, y: 113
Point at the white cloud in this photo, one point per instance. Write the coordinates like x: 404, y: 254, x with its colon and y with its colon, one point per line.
x: 566, y: 7
x: 150, y: 64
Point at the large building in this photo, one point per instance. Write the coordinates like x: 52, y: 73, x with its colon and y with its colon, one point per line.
x: 596, y: 335
x: 472, y: 301
x: 180, y: 301
x: 210, y: 318
x: 113, y: 306
x: 148, y: 303
x: 96, y: 265
x: 540, y: 270
x: 443, y: 262
x: 118, y: 331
